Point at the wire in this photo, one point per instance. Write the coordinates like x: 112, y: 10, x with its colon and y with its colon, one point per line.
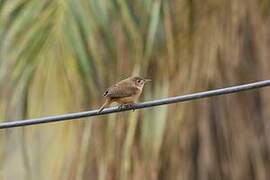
x: 159, y: 102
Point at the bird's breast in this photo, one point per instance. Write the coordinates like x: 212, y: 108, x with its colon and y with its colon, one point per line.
x: 127, y: 100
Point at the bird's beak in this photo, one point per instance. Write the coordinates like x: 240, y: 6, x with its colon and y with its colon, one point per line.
x: 147, y: 80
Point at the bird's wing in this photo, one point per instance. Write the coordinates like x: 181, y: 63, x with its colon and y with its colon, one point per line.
x: 118, y: 91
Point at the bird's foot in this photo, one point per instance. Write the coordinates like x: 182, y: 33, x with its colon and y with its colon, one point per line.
x: 122, y: 106
x: 131, y: 106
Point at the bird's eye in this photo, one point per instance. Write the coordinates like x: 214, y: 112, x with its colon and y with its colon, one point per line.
x: 138, y: 81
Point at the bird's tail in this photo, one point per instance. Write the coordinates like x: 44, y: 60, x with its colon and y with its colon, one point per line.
x: 107, y: 103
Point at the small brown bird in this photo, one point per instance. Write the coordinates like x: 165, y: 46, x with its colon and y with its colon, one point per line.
x: 125, y: 92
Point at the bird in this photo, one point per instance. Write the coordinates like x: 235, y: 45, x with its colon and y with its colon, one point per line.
x: 125, y: 92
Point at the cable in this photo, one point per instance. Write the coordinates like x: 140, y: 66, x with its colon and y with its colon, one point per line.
x: 158, y: 102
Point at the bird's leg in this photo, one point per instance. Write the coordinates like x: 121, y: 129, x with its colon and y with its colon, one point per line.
x: 120, y: 106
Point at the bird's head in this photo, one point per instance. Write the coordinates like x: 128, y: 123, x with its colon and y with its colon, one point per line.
x: 139, y: 81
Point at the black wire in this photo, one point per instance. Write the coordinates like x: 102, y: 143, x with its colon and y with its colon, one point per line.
x: 158, y: 102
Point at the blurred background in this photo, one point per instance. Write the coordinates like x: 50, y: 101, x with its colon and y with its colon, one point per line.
x: 58, y: 56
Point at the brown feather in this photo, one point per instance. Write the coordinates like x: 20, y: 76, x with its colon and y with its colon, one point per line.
x: 126, y: 91
x: 121, y: 91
